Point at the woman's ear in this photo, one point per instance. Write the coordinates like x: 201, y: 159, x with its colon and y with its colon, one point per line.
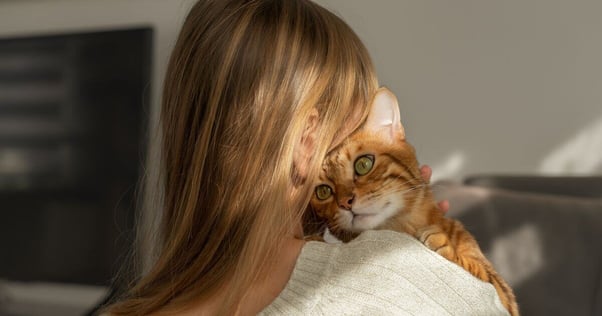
x: 307, y: 144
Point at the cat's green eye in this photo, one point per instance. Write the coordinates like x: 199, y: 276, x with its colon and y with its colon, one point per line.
x: 364, y: 164
x: 323, y: 192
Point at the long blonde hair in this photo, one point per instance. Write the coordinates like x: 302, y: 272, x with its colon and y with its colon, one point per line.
x: 242, y: 81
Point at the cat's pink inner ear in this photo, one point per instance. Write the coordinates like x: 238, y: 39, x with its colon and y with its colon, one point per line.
x: 384, y: 115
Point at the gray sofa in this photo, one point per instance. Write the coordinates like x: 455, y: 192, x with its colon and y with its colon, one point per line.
x: 543, y: 234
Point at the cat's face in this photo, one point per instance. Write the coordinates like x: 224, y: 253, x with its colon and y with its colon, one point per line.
x: 368, y: 179
x: 364, y: 183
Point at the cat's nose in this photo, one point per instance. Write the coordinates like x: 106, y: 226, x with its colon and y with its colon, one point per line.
x: 346, y: 202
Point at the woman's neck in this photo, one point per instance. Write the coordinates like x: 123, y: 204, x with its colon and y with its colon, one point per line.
x: 265, y: 292
x: 262, y: 293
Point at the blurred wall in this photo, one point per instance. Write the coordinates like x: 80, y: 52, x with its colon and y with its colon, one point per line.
x: 484, y: 86
x: 509, y: 86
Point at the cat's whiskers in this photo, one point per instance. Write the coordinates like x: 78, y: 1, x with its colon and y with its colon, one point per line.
x: 420, y: 186
x: 400, y: 184
x: 394, y: 184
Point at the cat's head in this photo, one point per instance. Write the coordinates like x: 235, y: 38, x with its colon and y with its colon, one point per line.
x: 369, y: 178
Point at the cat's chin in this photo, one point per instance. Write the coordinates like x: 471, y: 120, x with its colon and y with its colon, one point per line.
x: 363, y: 222
x: 357, y: 222
x: 364, y: 218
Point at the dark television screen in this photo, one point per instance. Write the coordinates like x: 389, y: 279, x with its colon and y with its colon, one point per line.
x: 73, y: 113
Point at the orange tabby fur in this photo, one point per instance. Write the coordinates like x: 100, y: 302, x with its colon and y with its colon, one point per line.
x: 393, y: 196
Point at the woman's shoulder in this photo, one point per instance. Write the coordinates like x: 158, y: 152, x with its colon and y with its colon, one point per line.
x: 381, y: 272
x: 379, y: 238
x: 390, y: 254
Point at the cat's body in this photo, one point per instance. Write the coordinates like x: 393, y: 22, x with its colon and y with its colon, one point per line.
x: 373, y: 181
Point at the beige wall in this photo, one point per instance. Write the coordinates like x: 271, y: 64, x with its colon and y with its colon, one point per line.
x: 509, y: 86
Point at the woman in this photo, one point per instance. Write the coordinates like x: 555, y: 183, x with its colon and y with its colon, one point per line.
x: 257, y: 92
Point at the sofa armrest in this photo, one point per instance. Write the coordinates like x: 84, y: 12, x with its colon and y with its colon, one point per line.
x: 587, y: 187
x: 549, y: 248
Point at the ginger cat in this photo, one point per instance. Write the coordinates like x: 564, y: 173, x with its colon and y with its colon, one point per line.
x: 373, y: 181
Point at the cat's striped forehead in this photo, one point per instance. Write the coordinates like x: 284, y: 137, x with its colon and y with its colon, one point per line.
x: 338, y: 165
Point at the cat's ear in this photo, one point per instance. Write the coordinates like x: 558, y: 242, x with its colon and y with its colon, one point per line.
x: 384, y: 116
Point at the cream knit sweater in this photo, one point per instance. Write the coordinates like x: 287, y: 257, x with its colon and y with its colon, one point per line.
x: 381, y: 273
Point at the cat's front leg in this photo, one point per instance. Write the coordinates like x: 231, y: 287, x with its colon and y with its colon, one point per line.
x: 436, y: 239
x: 453, y: 242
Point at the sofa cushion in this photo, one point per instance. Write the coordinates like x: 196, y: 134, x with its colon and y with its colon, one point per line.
x: 589, y: 187
x: 547, y: 247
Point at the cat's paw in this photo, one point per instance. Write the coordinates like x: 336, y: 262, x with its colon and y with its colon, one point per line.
x: 436, y: 239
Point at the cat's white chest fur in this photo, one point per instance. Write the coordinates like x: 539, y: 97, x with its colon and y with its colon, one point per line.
x: 330, y: 238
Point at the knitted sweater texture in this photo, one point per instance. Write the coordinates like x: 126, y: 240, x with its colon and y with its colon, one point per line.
x: 381, y: 273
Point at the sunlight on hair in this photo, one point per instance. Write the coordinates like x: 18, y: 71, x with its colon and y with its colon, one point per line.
x: 581, y: 154
x: 450, y: 168
x: 518, y: 254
